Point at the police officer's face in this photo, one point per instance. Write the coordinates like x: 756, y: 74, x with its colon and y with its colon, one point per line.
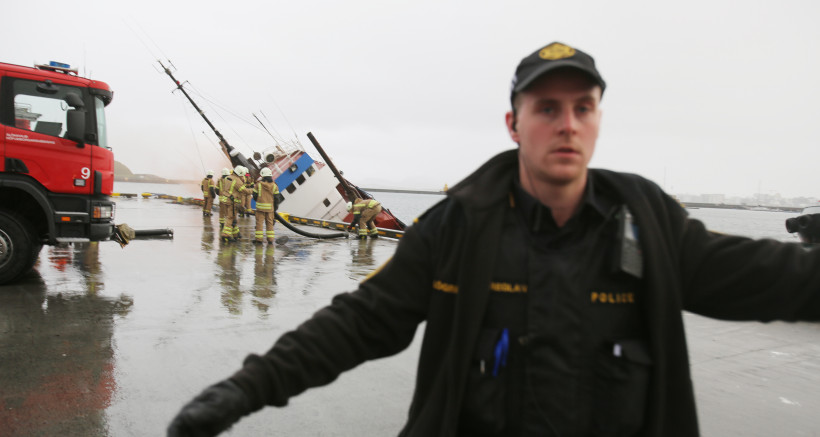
x: 556, y: 127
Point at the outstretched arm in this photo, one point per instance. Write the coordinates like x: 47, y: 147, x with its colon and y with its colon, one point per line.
x: 379, y: 319
x: 737, y: 278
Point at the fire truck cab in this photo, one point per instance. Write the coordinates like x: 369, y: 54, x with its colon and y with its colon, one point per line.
x: 56, y: 168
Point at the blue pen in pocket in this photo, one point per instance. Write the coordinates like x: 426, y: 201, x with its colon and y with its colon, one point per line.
x: 502, y: 349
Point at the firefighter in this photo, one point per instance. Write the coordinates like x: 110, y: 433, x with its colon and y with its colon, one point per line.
x: 231, y: 191
x: 265, y: 193
x: 208, y: 194
x: 223, y: 199
x: 365, y: 212
x: 246, y: 198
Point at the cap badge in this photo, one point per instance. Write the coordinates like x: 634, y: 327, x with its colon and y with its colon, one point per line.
x: 556, y: 51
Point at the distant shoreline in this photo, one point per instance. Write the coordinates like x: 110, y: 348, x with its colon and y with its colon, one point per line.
x: 151, y: 179
x: 746, y: 207
x: 393, y: 190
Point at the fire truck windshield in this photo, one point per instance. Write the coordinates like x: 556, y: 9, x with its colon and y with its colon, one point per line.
x: 102, y: 131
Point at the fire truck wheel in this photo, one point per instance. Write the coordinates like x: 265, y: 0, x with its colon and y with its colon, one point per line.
x: 35, y: 254
x: 16, y: 246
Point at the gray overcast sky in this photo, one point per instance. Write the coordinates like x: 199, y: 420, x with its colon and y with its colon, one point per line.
x: 702, y: 96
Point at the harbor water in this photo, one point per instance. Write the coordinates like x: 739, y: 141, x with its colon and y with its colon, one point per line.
x: 101, y: 340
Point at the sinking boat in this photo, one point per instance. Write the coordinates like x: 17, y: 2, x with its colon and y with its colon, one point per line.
x: 806, y: 225
x: 309, y: 188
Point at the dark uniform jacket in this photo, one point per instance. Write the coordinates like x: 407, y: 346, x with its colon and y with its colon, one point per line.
x: 442, y: 271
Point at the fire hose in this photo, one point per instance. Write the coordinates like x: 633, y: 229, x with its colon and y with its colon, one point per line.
x: 308, y: 234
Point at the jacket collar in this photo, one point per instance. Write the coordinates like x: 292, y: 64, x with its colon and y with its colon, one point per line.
x: 489, y: 183
x: 496, y: 179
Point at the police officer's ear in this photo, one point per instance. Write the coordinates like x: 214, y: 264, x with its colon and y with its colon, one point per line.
x: 512, y: 120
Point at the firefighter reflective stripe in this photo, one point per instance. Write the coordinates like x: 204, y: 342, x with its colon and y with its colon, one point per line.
x: 223, y: 190
x: 206, y: 186
x: 265, y: 195
x: 229, y: 228
x: 233, y: 187
x: 358, y: 207
x: 264, y: 220
x: 259, y: 234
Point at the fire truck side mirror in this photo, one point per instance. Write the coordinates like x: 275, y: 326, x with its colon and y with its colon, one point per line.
x: 75, y: 129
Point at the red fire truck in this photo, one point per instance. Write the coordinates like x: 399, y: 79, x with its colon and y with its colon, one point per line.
x: 56, y: 168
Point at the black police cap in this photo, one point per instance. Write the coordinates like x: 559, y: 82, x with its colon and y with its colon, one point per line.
x: 549, y: 58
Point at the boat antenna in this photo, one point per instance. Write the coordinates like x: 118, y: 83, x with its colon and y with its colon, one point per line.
x: 142, y: 40
x: 296, y: 144
x: 270, y: 123
x: 278, y: 147
x: 295, y: 135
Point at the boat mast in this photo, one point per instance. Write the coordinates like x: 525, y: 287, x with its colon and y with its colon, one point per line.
x: 234, y: 156
x: 351, y: 195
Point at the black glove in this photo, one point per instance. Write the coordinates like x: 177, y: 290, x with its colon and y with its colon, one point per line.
x: 213, y: 192
x: 211, y: 412
x: 255, y: 196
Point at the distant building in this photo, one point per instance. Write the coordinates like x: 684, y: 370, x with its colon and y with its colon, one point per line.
x: 717, y: 199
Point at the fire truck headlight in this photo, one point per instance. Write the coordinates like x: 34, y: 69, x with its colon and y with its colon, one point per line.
x: 103, y: 212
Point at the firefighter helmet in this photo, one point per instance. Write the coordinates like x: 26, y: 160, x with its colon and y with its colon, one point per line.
x: 239, y: 170
x: 265, y: 172
x: 349, y: 206
x: 225, y: 172
x: 210, y: 172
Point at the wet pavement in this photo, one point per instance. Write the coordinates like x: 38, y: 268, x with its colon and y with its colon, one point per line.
x: 107, y: 341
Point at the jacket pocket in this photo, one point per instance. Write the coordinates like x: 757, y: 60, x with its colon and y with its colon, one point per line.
x: 622, y: 375
x: 484, y: 403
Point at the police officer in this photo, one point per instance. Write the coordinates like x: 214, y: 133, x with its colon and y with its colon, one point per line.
x: 552, y: 293
x: 208, y: 194
x: 265, y: 193
x: 231, y: 190
x: 364, y: 214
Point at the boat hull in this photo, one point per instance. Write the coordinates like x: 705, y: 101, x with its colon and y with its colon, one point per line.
x: 310, y: 189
